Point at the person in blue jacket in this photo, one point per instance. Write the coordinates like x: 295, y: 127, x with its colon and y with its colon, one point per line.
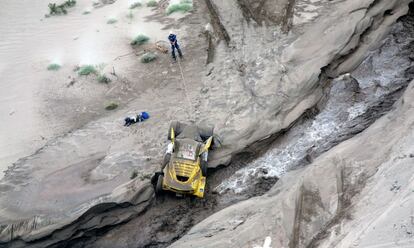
x: 140, y: 117
x: 174, y: 45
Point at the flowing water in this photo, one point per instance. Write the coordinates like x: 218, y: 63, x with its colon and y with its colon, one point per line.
x: 350, y: 98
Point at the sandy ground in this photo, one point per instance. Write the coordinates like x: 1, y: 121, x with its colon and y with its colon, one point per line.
x: 82, y: 161
x: 36, y: 104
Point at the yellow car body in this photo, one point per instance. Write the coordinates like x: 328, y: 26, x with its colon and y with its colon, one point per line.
x: 194, y: 185
x: 185, y: 172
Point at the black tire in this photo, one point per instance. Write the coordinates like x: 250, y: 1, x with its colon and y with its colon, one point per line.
x: 154, y: 179
x: 205, y: 132
x: 165, y: 161
x: 204, y: 168
x: 158, y: 187
x: 176, y: 125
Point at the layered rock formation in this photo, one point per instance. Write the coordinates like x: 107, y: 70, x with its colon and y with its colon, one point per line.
x: 272, y: 65
x: 358, y: 194
x: 274, y: 78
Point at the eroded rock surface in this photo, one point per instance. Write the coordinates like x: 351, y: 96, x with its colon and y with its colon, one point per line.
x: 264, y: 76
x: 358, y: 194
x: 274, y: 78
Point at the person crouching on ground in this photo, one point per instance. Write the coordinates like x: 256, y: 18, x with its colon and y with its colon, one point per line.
x: 174, y: 45
x: 140, y: 117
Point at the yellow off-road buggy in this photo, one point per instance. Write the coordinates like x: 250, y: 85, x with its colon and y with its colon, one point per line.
x: 184, y: 168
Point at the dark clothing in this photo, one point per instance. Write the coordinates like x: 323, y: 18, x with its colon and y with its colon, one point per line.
x: 174, y: 45
x: 129, y: 121
x: 134, y: 119
x: 172, y: 38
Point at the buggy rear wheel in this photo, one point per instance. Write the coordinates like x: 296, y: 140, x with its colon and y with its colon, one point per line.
x: 158, y: 187
x: 205, y: 132
x: 216, y: 142
x: 204, y: 168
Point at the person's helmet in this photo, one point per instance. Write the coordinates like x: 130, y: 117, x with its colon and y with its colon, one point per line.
x: 171, y: 32
x: 145, y: 115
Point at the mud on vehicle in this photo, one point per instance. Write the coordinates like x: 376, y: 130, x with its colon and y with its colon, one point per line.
x: 184, y: 168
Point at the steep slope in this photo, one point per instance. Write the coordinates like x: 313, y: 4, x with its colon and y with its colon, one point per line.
x: 261, y: 80
x: 274, y: 77
x: 359, y: 194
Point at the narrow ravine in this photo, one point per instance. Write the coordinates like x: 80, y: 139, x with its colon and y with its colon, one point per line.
x: 353, y: 103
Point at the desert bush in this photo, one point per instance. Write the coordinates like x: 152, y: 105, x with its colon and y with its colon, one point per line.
x: 53, y: 67
x: 111, y: 21
x: 135, y: 5
x: 183, y: 6
x: 55, y: 9
x: 85, y: 70
x: 139, y: 40
x: 152, y: 3
x: 148, y: 57
x: 102, y: 78
x: 86, y: 12
x: 111, y: 106
x: 69, y: 3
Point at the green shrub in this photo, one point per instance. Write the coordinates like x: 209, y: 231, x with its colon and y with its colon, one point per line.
x: 152, y: 3
x: 135, y: 5
x: 148, y: 57
x: 111, y: 106
x: 69, y: 3
x: 134, y: 174
x: 55, y: 9
x: 86, y: 70
x: 53, y: 67
x: 86, y: 12
x: 111, y: 21
x: 52, y: 8
x: 183, y: 6
x: 139, y: 40
x: 102, y: 78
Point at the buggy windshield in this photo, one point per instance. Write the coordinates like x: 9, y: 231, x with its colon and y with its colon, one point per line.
x: 187, y: 150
